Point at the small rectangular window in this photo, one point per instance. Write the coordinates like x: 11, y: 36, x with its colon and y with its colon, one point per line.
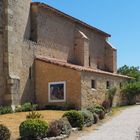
x: 30, y: 73
x: 107, y: 84
x: 121, y: 85
x: 93, y: 84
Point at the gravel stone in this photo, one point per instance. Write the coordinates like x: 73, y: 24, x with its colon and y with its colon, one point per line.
x: 121, y: 127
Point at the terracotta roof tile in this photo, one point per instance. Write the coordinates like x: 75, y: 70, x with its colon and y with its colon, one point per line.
x: 77, y: 67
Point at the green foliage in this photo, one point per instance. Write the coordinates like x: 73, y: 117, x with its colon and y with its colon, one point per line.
x: 96, y: 118
x: 75, y: 118
x: 28, y: 107
x: 33, y: 128
x: 98, y: 106
x: 4, y: 133
x: 34, y: 115
x: 5, y: 110
x: 130, y: 90
x: 110, y: 95
x: 66, y: 106
x: 100, y: 112
x: 130, y: 71
x: 18, y: 108
x: 88, y: 117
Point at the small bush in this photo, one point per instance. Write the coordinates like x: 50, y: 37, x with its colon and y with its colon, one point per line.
x: 66, y: 106
x: 69, y: 106
x: 5, y: 110
x: 58, y: 127
x: 98, y: 106
x: 96, y: 118
x: 88, y: 117
x: 28, y: 107
x: 4, y: 133
x: 75, y: 118
x: 55, y: 128
x: 33, y: 128
x: 66, y: 126
x: 18, y: 108
x: 53, y: 107
x: 98, y: 111
x: 34, y: 115
x: 106, y: 104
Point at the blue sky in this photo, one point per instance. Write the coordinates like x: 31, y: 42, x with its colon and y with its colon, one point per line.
x: 120, y: 18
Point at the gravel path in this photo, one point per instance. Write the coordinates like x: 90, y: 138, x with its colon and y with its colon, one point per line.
x: 122, y: 127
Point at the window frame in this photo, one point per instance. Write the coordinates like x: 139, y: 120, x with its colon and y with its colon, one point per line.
x: 49, y: 97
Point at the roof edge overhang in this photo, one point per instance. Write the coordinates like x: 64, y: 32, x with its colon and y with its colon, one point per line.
x: 77, y: 67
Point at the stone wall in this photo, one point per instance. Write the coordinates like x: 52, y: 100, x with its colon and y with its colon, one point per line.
x: 2, y: 75
x: 17, y: 27
x: 46, y: 73
x: 97, y: 95
x: 58, y: 34
x: 26, y: 34
x: 110, y: 59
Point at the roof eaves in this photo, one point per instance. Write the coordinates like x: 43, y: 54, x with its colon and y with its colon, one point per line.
x: 78, y: 68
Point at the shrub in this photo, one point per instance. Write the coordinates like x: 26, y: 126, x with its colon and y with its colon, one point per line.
x: 66, y: 126
x: 98, y: 111
x: 88, y: 117
x: 5, y: 110
x: 18, y: 108
x: 106, y: 105
x: 55, y: 128
x: 4, y: 133
x: 34, y: 115
x: 75, y: 118
x: 69, y: 106
x: 66, y: 106
x: 33, y: 128
x: 59, y: 127
x: 28, y: 107
x: 98, y: 106
x: 130, y: 90
x: 110, y: 95
x: 96, y: 118
x: 53, y: 107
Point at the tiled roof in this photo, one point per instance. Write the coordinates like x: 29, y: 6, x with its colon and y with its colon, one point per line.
x: 77, y: 67
x: 42, y: 5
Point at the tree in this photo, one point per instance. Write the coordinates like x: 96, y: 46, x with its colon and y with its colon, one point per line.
x: 132, y: 88
x: 130, y: 71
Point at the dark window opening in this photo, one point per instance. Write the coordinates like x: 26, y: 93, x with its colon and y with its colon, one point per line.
x: 89, y: 62
x: 121, y: 85
x: 30, y: 73
x: 107, y: 85
x: 93, y: 84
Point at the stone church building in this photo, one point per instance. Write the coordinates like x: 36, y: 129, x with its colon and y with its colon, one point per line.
x: 49, y: 57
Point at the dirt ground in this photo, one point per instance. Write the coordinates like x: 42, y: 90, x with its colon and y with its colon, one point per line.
x: 12, y: 121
